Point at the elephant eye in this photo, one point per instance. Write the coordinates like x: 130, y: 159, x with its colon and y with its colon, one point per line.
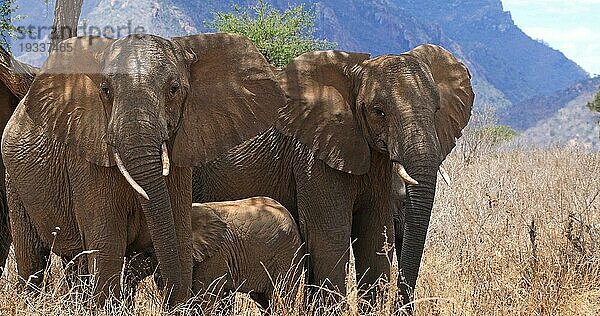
x: 104, y: 89
x: 379, y: 112
x: 174, y: 88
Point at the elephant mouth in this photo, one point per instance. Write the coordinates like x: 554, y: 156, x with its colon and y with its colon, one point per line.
x: 401, y: 171
x: 138, y: 188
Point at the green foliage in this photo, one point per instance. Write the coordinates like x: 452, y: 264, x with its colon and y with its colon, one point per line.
x: 279, y: 36
x: 7, y: 19
x: 498, y: 134
x: 594, y: 105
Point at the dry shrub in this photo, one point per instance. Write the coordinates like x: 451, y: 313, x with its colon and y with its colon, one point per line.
x: 517, y: 234
x: 474, y: 143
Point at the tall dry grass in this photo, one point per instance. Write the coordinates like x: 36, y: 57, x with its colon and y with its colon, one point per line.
x: 516, y: 233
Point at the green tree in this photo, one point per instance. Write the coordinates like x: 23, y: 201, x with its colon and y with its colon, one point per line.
x: 594, y: 105
x: 279, y: 36
x: 497, y: 134
x: 7, y: 19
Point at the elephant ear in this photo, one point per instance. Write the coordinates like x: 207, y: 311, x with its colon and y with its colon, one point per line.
x: 15, y: 80
x: 15, y: 75
x: 318, y: 111
x: 209, y: 231
x: 453, y: 81
x: 64, y: 99
x: 233, y: 97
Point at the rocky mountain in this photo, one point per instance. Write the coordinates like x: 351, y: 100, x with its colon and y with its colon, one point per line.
x: 529, y: 112
x: 501, y: 52
x: 509, y: 68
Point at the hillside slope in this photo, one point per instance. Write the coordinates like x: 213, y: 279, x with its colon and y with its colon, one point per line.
x: 526, y: 114
x: 572, y: 124
x: 505, y: 56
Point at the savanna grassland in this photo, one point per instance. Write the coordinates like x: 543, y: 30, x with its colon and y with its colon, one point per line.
x: 516, y: 232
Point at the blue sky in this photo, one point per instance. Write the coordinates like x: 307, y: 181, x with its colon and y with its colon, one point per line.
x: 571, y: 26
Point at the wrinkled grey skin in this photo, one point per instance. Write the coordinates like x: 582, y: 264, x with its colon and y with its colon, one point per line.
x: 15, y: 79
x: 132, y: 96
x: 260, y: 245
x: 8, y: 102
x: 337, y: 181
x: 244, y: 246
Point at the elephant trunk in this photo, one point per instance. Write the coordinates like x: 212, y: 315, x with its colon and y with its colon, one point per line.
x: 417, y: 212
x: 143, y: 162
x: 421, y: 160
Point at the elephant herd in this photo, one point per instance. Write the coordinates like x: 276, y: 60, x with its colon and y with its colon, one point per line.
x: 196, y: 153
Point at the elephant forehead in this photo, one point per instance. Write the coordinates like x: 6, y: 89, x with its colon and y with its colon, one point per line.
x: 398, y: 68
x: 397, y: 78
x: 142, y: 57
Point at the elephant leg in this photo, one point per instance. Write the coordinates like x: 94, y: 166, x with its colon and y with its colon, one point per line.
x: 107, y: 246
x: 139, y: 266
x: 372, y: 227
x: 399, y: 236
x: 179, y: 183
x: 325, y: 200
x: 31, y: 254
x: 74, y: 269
x: 5, y: 233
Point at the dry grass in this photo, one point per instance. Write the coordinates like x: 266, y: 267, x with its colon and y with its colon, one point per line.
x: 517, y: 233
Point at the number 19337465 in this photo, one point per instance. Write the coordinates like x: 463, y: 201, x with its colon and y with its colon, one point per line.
x: 45, y: 47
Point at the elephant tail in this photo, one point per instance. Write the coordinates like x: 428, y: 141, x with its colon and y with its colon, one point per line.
x: 5, y: 233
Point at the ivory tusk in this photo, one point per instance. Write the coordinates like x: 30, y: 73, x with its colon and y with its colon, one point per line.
x: 445, y: 176
x: 128, y: 177
x: 165, y: 160
x: 405, y: 176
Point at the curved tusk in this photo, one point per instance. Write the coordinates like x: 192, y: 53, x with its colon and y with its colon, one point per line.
x: 445, y: 176
x: 405, y: 176
x: 128, y: 177
x: 165, y: 159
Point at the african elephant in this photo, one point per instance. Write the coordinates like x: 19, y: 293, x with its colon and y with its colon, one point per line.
x: 253, y: 242
x: 15, y: 79
x: 99, y: 153
x: 349, y: 120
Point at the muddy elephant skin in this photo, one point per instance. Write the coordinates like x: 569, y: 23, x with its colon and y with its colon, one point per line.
x: 99, y: 153
x: 349, y: 124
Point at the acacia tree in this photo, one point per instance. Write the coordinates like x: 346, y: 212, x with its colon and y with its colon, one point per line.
x: 7, y: 19
x: 66, y: 17
x: 279, y: 36
x: 594, y: 105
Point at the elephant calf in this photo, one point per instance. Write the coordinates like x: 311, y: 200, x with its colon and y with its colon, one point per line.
x: 250, y: 243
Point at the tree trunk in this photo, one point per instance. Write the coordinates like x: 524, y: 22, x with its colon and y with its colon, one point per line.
x: 66, y: 17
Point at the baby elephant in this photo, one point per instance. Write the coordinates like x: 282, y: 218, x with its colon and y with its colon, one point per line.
x: 250, y: 243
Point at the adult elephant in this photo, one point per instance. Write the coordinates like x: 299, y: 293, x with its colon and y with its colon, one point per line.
x: 99, y: 152
x: 348, y: 122
x: 15, y: 79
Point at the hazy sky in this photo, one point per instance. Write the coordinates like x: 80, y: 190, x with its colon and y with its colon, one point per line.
x: 571, y: 26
